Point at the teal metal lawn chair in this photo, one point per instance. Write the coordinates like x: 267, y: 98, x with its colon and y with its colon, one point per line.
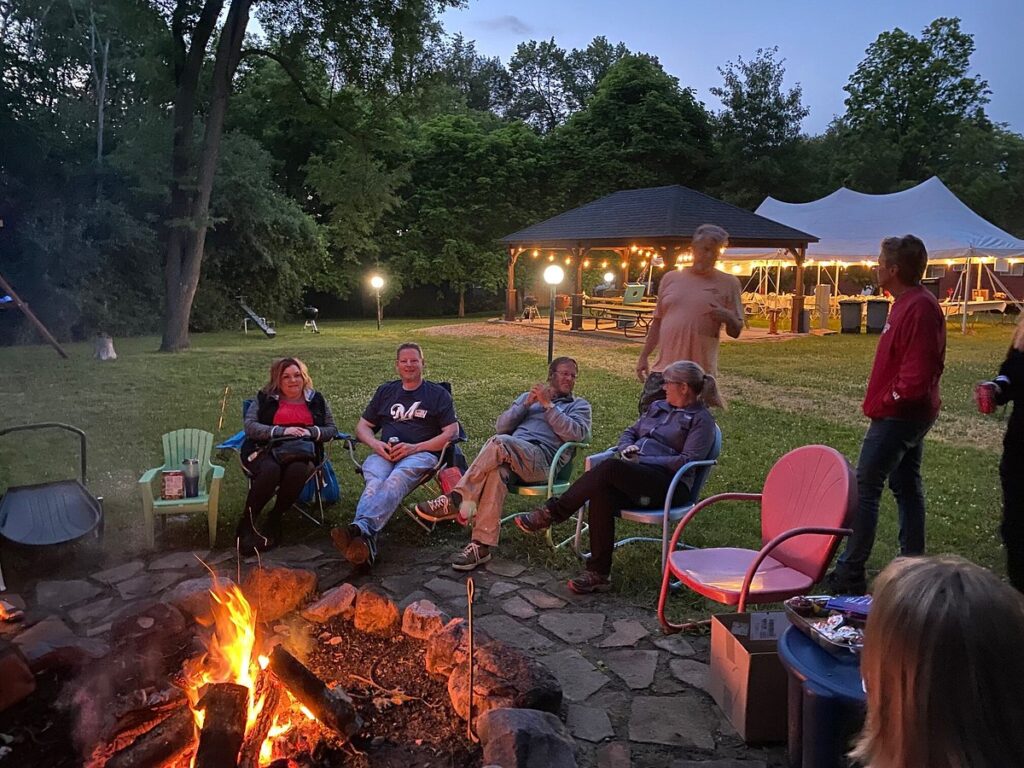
x: 559, y: 480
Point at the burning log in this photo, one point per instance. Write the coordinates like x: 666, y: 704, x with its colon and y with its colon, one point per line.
x: 270, y: 691
x: 332, y: 708
x: 158, y: 745
x: 225, y: 705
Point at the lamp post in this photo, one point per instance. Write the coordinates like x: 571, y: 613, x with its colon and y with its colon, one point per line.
x: 377, y: 282
x: 608, y: 278
x: 553, y: 276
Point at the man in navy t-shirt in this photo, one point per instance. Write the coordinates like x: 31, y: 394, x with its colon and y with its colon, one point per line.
x: 415, y: 419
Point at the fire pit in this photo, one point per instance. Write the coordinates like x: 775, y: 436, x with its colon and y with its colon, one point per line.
x: 252, y: 698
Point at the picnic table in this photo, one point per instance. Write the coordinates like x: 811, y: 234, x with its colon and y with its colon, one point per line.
x: 620, y: 315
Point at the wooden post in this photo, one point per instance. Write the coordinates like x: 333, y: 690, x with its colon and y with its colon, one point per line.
x: 510, y: 293
x: 798, y: 290
x: 579, y: 254
x: 6, y: 287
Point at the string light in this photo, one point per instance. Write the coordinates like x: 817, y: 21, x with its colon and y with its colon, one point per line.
x: 632, y: 248
x: 586, y: 263
x: 551, y: 257
x: 536, y: 253
x: 625, y: 264
x: 604, y: 264
x: 568, y: 260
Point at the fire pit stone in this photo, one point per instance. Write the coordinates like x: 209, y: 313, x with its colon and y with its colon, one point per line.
x: 192, y: 597
x: 522, y: 738
x: 449, y: 647
x: 18, y: 679
x: 339, y: 601
x: 276, y: 591
x: 376, y: 613
x: 503, y: 677
x: 422, y: 619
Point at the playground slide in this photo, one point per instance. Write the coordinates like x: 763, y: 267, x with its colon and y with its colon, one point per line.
x: 257, y: 320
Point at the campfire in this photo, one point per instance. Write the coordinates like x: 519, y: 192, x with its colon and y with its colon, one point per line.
x: 245, y: 708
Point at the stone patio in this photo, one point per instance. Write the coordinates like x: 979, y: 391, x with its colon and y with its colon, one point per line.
x: 632, y: 696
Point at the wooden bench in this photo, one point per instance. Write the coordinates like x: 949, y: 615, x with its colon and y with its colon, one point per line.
x: 619, y: 315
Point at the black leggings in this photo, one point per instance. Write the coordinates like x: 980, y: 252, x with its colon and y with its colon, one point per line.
x: 611, y: 486
x: 1012, y: 528
x: 268, y: 478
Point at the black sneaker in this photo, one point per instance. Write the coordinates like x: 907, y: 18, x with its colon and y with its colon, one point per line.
x: 838, y: 584
x: 534, y: 522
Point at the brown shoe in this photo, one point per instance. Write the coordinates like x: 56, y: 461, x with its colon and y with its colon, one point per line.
x: 534, y: 522
x: 590, y: 581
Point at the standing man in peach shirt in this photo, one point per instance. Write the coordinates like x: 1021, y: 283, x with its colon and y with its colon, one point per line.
x: 693, y: 305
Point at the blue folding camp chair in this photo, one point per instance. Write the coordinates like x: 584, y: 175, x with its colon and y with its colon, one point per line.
x: 665, y: 516
x: 320, y: 481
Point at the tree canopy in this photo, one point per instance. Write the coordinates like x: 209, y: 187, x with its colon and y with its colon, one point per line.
x: 157, y: 160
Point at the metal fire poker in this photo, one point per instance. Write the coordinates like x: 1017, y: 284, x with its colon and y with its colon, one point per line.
x: 472, y: 661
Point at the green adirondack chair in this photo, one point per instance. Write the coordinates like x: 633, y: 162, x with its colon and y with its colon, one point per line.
x: 180, y: 445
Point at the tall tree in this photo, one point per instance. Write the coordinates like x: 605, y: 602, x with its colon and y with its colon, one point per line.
x: 758, y: 129
x: 908, y: 97
x: 640, y: 129
x: 369, y: 43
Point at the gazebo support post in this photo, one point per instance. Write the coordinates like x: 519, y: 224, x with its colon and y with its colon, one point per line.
x: 578, y: 255
x: 798, y: 290
x: 510, y: 293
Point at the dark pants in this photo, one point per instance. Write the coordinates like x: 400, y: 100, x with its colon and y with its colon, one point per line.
x: 892, y: 450
x: 652, y: 392
x: 611, y: 486
x: 268, y: 478
x: 1011, y: 473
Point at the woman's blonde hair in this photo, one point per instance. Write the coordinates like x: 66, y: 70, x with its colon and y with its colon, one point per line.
x: 703, y: 384
x: 277, y: 369
x: 943, y: 668
x: 1018, y: 335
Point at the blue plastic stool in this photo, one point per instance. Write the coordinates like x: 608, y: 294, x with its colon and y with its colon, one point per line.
x: 826, y: 702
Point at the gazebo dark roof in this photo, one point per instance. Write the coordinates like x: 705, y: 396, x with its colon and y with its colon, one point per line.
x: 656, y: 215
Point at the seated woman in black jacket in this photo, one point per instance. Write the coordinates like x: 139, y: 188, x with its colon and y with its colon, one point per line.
x: 673, y: 432
x: 285, y: 428
x: 1006, y: 387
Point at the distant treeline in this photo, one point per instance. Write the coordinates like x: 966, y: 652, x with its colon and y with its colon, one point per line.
x: 359, y: 136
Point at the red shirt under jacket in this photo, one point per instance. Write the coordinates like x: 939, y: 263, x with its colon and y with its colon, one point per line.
x: 904, y: 381
x: 293, y: 415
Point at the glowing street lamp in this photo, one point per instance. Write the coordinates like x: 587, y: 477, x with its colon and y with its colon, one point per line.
x: 608, y: 277
x: 377, y: 282
x: 553, y: 276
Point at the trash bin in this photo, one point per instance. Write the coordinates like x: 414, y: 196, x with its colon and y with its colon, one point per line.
x: 849, y: 316
x: 804, y: 326
x: 826, y: 702
x: 878, y: 313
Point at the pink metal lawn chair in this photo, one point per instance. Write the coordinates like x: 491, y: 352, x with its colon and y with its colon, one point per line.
x: 806, y: 505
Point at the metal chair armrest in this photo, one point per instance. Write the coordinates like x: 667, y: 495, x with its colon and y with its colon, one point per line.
x: 767, y: 549
x: 553, y: 469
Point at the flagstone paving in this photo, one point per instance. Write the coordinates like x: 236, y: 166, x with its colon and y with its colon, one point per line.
x: 632, y: 696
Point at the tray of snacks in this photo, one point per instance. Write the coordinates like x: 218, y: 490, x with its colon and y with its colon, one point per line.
x: 834, y: 623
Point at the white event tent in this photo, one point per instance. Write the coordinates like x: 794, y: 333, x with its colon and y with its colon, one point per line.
x: 850, y: 225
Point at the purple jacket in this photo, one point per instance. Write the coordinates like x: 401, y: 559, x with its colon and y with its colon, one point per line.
x: 670, y: 437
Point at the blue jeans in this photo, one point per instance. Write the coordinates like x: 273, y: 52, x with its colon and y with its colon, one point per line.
x: 387, y: 483
x: 892, y: 450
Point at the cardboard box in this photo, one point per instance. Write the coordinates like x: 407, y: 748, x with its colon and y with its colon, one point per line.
x: 748, y: 681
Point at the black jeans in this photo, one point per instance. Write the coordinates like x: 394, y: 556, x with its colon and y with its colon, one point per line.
x: 1011, y: 473
x: 611, y: 486
x: 892, y: 450
x: 268, y: 478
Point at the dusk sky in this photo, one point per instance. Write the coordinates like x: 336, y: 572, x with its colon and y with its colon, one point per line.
x: 822, y: 42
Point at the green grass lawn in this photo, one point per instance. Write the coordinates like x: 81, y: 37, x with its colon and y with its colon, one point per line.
x: 782, y: 395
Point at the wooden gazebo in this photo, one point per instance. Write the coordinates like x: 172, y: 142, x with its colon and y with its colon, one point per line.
x: 638, y: 224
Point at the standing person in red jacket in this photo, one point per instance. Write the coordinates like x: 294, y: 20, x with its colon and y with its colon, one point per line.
x: 902, y: 401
